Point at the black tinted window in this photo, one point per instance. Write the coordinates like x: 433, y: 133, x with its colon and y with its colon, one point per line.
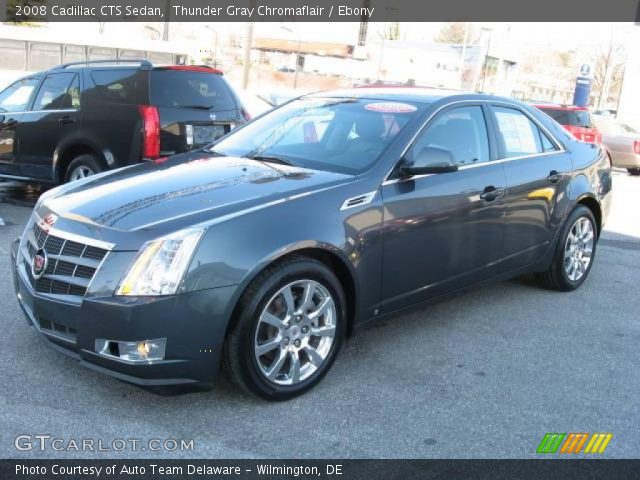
x: 463, y: 131
x: 54, y: 94
x: 119, y: 86
x: 183, y: 88
x: 575, y: 118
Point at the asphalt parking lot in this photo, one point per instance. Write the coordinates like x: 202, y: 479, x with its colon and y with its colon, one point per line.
x: 484, y: 375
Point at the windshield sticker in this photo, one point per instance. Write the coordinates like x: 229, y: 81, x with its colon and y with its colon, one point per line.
x: 390, y: 107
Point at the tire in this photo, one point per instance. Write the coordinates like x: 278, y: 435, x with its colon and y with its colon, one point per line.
x: 560, y: 275
x: 633, y: 171
x: 82, y: 166
x: 248, y: 366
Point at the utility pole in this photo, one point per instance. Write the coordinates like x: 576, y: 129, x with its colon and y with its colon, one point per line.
x: 463, y: 53
x: 167, y: 13
x: 248, y: 43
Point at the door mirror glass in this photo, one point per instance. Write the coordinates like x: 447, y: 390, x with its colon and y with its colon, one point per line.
x: 431, y: 159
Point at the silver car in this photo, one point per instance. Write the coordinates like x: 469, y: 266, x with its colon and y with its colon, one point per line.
x: 622, y: 143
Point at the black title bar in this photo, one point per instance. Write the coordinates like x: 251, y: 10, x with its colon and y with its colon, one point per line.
x: 318, y: 10
x: 325, y: 469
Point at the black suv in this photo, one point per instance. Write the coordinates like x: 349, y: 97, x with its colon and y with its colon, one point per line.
x: 78, y: 119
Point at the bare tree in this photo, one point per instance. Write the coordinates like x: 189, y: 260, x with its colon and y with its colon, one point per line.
x: 454, y: 33
x: 608, y: 69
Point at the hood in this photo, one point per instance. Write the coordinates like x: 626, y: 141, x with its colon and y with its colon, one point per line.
x: 181, y: 191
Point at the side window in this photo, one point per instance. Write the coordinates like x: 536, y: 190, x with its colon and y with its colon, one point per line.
x: 517, y: 134
x: 461, y: 130
x: 72, y: 100
x: 123, y: 86
x: 54, y: 92
x: 547, y: 144
x: 15, y: 97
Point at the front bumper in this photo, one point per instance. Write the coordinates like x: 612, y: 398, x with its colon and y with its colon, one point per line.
x: 194, y: 325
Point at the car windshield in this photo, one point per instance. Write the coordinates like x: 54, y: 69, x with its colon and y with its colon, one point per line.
x: 574, y: 118
x: 344, y: 135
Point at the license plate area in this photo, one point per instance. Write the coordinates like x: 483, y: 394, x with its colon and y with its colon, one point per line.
x: 205, y: 134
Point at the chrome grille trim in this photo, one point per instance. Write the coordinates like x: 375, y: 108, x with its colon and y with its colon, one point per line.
x: 72, y: 264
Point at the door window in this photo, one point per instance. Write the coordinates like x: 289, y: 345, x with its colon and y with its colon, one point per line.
x: 463, y: 131
x: 56, y: 92
x: 15, y: 97
x: 518, y: 135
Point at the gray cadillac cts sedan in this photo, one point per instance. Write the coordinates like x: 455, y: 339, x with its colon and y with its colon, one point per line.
x: 263, y: 251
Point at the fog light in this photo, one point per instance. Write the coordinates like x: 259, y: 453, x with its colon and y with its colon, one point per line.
x: 145, y: 350
x: 141, y: 351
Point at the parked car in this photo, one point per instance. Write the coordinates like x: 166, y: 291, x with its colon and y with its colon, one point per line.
x: 265, y: 250
x: 79, y: 119
x: 622, y: 143
x: 576, y: 120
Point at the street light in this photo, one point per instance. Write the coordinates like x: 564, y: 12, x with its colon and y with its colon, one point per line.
x: 295, y: 75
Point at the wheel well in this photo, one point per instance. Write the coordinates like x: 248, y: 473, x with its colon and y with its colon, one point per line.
x: 331, y: 261
x: 592, y: 204
x: 69, y: 154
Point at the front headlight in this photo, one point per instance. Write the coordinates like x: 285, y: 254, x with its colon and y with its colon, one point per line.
x: 160, y: 265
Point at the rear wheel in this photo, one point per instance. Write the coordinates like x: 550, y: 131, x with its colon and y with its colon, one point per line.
x: 574, y: 253
x: 289, y: 329
x: 82, y: 166
x: 633, y: 171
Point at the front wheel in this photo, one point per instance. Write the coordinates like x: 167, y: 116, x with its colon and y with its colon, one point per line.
x: 574, y: 253
x: 633, y: 171
x: 288, y: 331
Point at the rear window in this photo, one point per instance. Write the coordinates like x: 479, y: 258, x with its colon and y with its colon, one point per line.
x: 574, y: 118
x: 185, y: 89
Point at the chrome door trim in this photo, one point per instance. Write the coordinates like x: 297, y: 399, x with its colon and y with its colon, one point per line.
x: 477, y: 165
x: 424, y: 125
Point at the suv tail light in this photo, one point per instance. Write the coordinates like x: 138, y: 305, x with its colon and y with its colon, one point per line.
x: 636, y: 147
x: 245, y: 114
x: 150, y: 131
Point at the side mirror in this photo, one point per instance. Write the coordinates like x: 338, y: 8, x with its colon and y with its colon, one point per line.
x: 431, y: 160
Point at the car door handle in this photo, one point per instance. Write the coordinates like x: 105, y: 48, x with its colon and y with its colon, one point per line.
x: 66, y: 119
x: 554, y: 176
x: 490, y: 193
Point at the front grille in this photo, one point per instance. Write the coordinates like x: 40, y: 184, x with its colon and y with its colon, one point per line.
x: 71, y: 265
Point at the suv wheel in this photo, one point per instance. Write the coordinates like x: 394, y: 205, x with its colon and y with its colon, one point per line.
x: 289, y: 329
x: 574, y: 253
x: 82, y: 166
x: 633, y: 171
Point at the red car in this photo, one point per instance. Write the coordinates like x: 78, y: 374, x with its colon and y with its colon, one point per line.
x: 576, y: 120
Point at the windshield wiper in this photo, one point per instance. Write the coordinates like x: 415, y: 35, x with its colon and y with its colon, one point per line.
x: 272, y: 159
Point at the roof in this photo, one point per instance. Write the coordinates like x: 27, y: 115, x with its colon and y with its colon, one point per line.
x: 557, y: 106
x: 407, y: 94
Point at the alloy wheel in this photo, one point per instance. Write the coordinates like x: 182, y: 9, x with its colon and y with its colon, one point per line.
x: 80, y: 172
x: 295, y: 332
x: 578, y: 250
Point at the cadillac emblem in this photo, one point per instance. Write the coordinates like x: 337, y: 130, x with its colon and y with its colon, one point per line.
x: 39, y: 263
x: 48, y: 222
